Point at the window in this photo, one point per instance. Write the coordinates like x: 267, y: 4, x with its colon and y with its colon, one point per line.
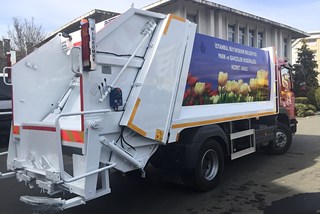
x: 285, y: 47
x: 241, y: 35
x: 312, y: 42
x: 260, y: 40
x: 251, y: 38
x: 231, y: 33
x: 192, y: 17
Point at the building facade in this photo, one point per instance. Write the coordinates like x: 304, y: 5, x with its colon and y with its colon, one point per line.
x: 313, y: 43
x: 232, y: 24
x: 215, y: 20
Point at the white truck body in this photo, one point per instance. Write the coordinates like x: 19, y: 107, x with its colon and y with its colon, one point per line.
x: 61, y: 110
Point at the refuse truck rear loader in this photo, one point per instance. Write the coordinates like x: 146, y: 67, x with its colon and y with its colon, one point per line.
x: 145, y: 88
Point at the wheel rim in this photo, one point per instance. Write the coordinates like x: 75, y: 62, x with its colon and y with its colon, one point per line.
x: 210, y: 164
x: 281, y: 139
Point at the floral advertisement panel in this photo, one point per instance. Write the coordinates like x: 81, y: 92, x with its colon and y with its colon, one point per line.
x: 224, y: 72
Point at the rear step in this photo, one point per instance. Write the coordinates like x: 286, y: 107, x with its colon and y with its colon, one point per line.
x: 43, y: 204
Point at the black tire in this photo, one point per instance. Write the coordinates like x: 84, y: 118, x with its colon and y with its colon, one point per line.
x: 209, y: 167
x: 283, y: 140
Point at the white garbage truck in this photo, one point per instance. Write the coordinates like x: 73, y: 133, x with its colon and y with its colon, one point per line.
x: 146, y: 88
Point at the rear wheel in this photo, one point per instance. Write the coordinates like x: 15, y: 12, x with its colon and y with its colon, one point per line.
x: 209, y: 167
x: 283, y: 140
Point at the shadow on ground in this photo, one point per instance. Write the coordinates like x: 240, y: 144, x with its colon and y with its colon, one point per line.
x: 248, y: 187
x: 303, y: 203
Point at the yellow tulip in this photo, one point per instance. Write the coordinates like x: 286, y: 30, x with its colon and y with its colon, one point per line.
x: 262, y: 77
x: 228, y: 86
x: 215, y: 99
x: 199, y: 88
x: 244, y: 89
x: 222, y: 78
x: 235, y: 86
x: 253, y: 84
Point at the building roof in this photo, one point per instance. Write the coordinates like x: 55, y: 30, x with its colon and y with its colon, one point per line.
x: 296, y: 33
x: 74, y: 25
x: 313, y: 35
x: 100, y: 15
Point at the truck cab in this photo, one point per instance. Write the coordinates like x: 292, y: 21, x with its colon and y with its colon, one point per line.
x: 286, y: 94
x: 5, y: 111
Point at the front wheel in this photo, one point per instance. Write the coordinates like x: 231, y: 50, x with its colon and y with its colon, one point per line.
x: 283, y: 140
x: 209, y: 167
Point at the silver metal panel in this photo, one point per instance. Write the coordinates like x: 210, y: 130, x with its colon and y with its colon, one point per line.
x: 5, y: 104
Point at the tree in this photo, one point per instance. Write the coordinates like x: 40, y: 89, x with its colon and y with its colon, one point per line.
x: 305, y: 76
x: 24, y: 35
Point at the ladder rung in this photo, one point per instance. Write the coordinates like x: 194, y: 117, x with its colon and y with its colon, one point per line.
x: 237, y: 135
x: 243, y: 153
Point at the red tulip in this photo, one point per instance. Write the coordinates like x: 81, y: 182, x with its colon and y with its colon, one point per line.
x: 192, y: 81
x: 208, y: 86
x: 213, y: 93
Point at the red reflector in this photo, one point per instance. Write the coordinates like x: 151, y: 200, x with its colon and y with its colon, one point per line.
x: 40, y: 128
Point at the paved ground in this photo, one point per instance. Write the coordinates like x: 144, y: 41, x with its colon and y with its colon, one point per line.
x: 258, y: 183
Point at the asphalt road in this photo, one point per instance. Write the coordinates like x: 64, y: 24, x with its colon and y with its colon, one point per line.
x: 258, y: 183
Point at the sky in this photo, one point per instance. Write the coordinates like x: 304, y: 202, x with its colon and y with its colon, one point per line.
x: 301, y: 14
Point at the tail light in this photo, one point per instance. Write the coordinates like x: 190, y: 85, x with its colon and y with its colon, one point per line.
x: 88, y: 44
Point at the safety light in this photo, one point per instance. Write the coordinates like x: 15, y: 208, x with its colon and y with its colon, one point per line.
x: 88, y: 44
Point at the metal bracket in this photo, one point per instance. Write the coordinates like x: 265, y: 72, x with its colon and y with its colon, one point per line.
x: 71, y: 59
x: 4, y: 75
x: 7, y: 174
x: 48, y: 186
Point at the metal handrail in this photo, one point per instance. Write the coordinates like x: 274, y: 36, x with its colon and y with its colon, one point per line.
x: 4, y: 75
x: 91, y: 173
x: 79, y: 113
x: 71, y: 50
x: 58, y: 130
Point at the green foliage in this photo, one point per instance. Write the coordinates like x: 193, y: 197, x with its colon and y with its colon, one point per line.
x: 311, y: 107
x: 311, y: 96
x: 304, y: 110
x: 303, y: 100
x: 305, y: 75
x: 317, y: 98
x: 309, y: 113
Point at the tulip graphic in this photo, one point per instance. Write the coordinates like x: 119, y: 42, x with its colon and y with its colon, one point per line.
x: 253, y: 84
x: 262, y: 77
x: 244, y: 89
x: 235, y: 86
x: 228, y: 86
x: 215, y: 99
x: 199, y: 88
x: 192, y: 80
x: 222, y: 78
x: 208, y: 86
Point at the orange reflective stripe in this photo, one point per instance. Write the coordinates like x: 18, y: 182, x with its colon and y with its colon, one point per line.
x: 64, y: 135
x: 172, y: 16
x: 78, y: 136
x: 72, y: 136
